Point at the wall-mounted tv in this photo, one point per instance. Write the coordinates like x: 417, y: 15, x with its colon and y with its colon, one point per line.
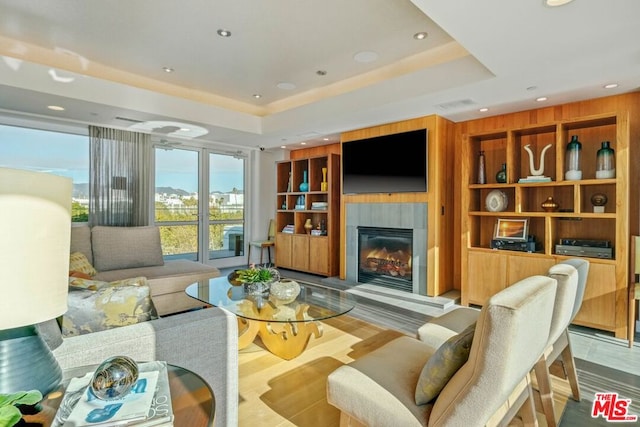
x: 394, y: 163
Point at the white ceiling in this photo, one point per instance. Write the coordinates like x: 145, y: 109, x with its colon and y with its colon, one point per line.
x: 103, y: 61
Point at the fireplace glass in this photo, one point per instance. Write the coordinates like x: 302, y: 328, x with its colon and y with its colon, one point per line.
x: 385, y: 256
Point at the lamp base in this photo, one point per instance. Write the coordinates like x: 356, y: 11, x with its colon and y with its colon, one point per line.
x: 26, y: 362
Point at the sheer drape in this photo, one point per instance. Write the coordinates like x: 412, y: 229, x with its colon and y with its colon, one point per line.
x: 120, y: 170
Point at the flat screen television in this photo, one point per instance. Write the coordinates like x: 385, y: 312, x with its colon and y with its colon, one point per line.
x: 394, y: 163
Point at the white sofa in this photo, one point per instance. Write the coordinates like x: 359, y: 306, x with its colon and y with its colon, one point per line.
x: 124, y: 252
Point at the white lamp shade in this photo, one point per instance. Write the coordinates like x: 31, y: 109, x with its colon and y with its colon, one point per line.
x: 35, y: 230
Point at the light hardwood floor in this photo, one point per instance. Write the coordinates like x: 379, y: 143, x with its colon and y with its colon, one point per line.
x: 276, y: 392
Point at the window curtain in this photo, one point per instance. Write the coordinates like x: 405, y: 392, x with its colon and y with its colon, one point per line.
x: 119, y: 177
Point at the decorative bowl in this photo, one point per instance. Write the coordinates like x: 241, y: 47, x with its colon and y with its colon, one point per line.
x: 285, y: 291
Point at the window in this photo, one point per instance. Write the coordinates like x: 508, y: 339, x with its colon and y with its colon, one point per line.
x: 199, y: 204
x: 58, y: 153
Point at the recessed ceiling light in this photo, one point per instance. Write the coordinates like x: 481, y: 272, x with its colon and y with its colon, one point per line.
x: 325, y: 139
x: 303, y: 143
x: 420, y: 36
x: 224, y: 33
x: 554, y: 3
x: 55, y: 108
x: 542, y: 98
x: 365, y: 56
x: 257, y: 96
x: 484, y: 110
x: 167, y: 69
x: 283, y: 146
x: 56, y: 78
x: 185, y: 129
x: 611, y: 86
x: 532, y: 88
x: 286, y: 86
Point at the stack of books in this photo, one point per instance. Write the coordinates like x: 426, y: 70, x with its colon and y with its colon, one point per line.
x: 148, y: 404
x: 319, y: 205
x: 534, y: 178
x: 288, y: 229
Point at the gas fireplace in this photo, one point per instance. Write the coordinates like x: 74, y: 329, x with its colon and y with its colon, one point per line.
x: 385, y: 257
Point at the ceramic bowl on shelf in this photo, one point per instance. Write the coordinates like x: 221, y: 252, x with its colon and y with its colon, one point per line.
x: 496, y: 201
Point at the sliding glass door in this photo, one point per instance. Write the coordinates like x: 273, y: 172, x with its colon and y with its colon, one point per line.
x: 199, y: 204
x: 226, y: 206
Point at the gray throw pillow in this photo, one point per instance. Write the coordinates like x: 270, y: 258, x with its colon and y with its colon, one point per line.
x: 116, y: 248
x: 444, y: 363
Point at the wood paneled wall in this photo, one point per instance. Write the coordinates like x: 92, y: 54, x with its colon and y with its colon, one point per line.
x: 445, y: 241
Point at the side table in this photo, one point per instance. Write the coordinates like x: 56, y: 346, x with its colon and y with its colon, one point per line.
x: 192, y: 399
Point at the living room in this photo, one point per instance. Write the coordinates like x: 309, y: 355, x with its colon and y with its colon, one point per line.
x: 60, y: 57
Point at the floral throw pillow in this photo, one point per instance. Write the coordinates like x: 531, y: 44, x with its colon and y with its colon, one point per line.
x: 79, y: 262
x: 96, y: 306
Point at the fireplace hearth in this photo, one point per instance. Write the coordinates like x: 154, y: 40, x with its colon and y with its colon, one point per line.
x: 385, y: 257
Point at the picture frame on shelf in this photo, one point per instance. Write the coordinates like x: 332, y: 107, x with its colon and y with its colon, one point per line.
x: 512, y: 229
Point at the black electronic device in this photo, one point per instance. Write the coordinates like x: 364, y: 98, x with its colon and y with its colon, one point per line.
x: 588, y: 251
x: 515, y: 245
x: 593, y: 243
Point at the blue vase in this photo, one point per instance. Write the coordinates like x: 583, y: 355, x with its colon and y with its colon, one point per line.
x: 304, y: 186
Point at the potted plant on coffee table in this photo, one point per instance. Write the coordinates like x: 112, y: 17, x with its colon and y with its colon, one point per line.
x: 257, y: 279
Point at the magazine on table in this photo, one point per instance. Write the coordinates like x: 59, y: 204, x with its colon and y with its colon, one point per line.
x: 91, y: 411
x: 148, y: 404
x: 161, y: 411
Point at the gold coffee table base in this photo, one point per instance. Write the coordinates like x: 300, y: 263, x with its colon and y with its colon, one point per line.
x: 286, y: 340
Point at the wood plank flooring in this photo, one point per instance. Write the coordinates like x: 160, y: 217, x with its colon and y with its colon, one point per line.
x: 276, y: 392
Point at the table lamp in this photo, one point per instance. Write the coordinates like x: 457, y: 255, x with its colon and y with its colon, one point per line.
x: 35, y: 230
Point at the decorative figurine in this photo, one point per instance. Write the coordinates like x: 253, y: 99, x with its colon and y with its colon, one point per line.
x: 598, y: 200
x: 549, y: 205
x: 114, y: 378
x: 537, y: 172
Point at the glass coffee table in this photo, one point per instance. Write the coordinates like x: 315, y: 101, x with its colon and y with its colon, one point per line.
x: 284, y: 328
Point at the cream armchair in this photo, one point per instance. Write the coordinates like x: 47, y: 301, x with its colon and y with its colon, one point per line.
x: 511, y: 333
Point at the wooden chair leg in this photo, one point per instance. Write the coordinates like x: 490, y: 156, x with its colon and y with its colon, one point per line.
x: 347, y: 421
x: 570, y: 370
x: 631, y: 324
x: 528, y: 411
x: 546, y: 394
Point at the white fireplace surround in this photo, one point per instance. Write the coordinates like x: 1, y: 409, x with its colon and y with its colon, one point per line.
x: 391, y: 215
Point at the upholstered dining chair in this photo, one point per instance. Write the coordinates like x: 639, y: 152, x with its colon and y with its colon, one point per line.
x: 571, y: 275
x: 386, y: 386
x: 267, y: 244
x: 634, y: 287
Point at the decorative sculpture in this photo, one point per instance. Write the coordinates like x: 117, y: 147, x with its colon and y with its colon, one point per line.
x: 540, y: 170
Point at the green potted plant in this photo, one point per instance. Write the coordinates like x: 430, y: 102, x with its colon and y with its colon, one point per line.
x: 10, y: 415
x: 257, y: 279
